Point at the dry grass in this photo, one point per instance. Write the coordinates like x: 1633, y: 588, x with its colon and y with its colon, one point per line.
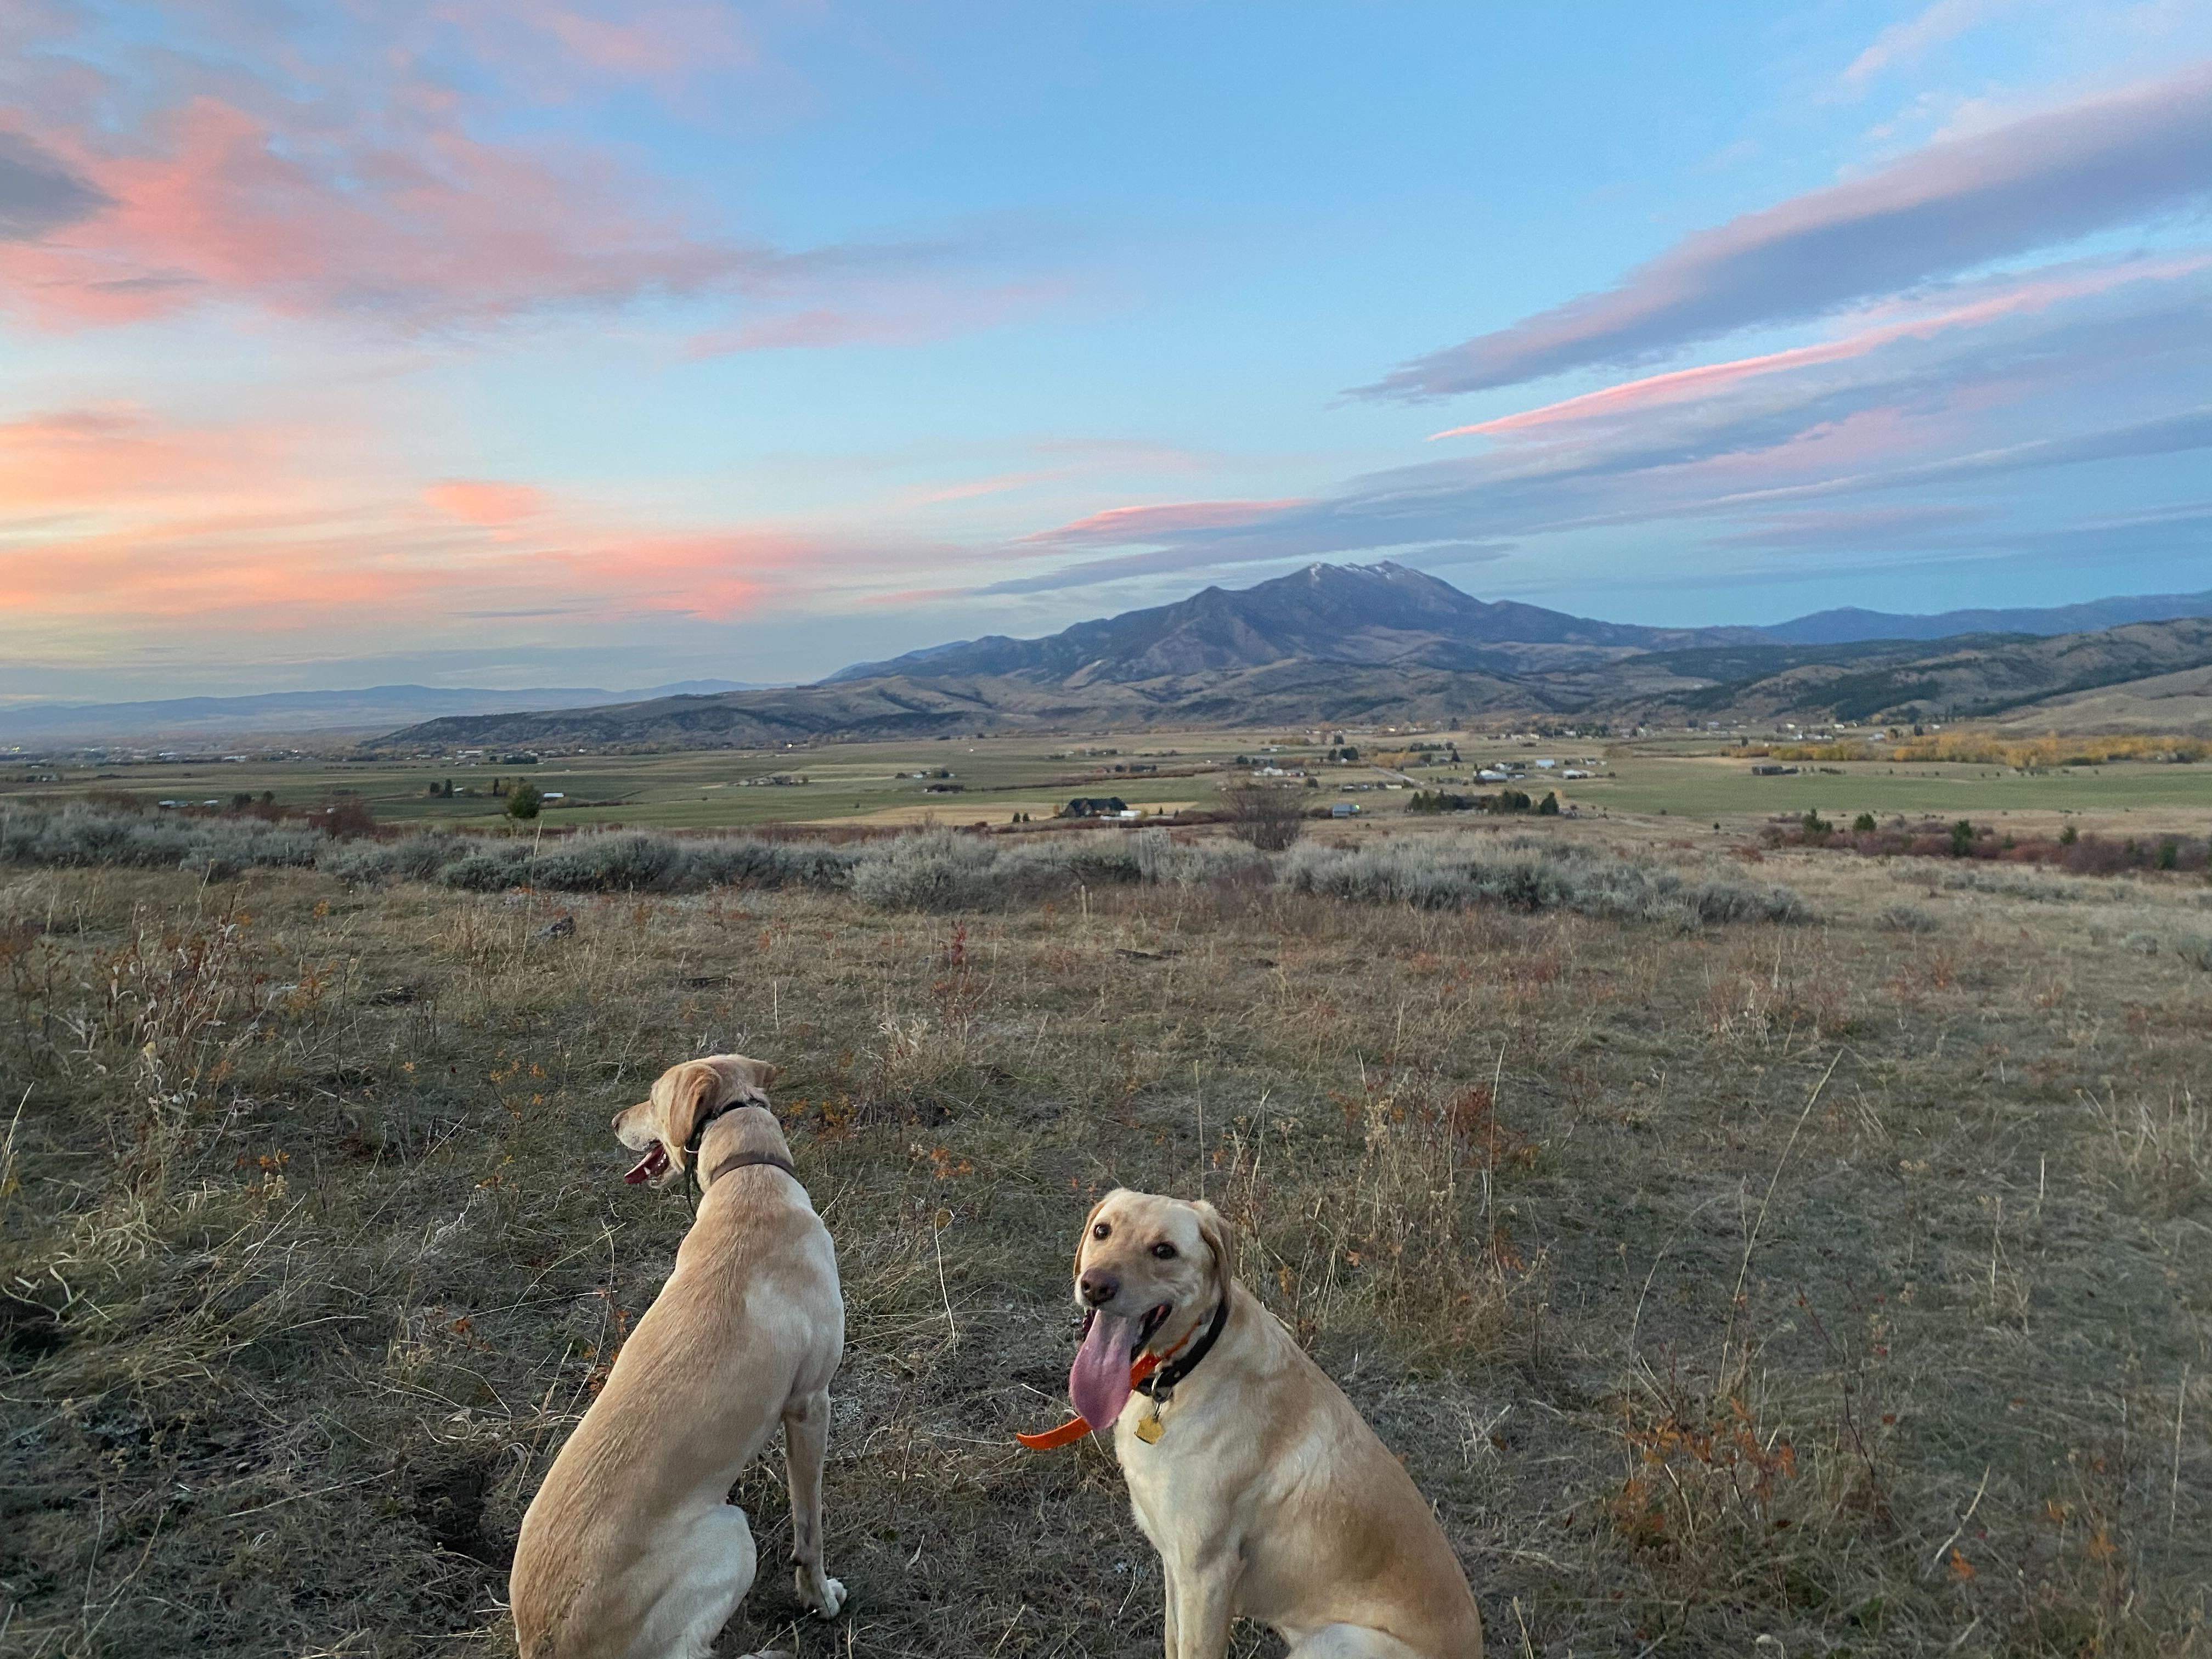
x: 1843, y: 1284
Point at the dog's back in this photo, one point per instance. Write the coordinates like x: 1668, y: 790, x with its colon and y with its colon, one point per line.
x: 629, y: 1538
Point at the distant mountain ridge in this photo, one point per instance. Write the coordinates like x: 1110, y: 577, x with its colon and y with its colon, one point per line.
x: 1382, y: 644
x: 1386, y: 613
x: 1973, y: 676
x: 1841, y: 626
x: 369, y: 708
x: 1340, y: 644
x: 1372, y: 615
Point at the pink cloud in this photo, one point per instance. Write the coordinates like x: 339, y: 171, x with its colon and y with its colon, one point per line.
x: 648, y: 43
x: 2113, y: 159
x: 274, y: 572
x: 1119, y: 527
x: 1001, y: 483
x: 253, y: 572
x: 478, y: 503
x: 114, y: 460
x: 558, y: 53
x: 117, y: 523
x: 719, y: 575
x: 337, y: 165
x: 1687, y: 384
x: 217, y: 203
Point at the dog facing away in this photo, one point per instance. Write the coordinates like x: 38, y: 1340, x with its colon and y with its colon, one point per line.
x: 631, y: 1549
x: 1265, y: 1491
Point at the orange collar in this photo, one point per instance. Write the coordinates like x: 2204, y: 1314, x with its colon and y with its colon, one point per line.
x: 1076, y: 1427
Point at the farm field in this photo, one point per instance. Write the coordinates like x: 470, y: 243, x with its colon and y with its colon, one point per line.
x: 1724, y: 787
x: 872, y: 783
x: 1837, y: 1282
x: 696, y: 789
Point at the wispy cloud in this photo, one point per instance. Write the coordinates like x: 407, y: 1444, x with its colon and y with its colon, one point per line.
x: 115, y: 520
x: 1118, y: 527
x: 1183, y: 560
x: 480, y: 501
x: 111, y: 462
x: 2166, y: 434
x: 336, y: 171
x: 2113, y: 159
x: 2008, y: 297
x: 1906, y: 42
x: 428, y: 229
x: 1852, y: 527
x: 38, y: 192
x: 2076, y: 352
x: 913, y: 313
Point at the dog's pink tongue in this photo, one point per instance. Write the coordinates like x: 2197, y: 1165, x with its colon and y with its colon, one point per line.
x: 1098, y: 1381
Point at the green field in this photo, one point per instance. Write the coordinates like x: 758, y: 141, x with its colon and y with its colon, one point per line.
x: 1715, y: 787
x: 696, y: 789
x: 1036, y: 775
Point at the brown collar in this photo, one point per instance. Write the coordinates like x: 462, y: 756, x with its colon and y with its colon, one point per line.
x: 739, y: 1160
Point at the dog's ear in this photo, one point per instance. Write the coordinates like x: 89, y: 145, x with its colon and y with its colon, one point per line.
x: 1220, y: 1238
x: 743, y: 1072
x: 1084, y: 1234
x: 698, y: 1089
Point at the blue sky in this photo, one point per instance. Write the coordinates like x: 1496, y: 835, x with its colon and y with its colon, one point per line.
x: 511, y: 343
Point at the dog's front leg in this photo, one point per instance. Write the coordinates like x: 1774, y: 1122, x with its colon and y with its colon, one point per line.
x: 1201, y: 1601
x: 806, y: 1450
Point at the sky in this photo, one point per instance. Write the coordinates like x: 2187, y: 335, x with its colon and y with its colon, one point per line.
x: 516, y: 343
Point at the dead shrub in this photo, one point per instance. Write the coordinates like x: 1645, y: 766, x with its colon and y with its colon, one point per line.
x: 1266, y: 818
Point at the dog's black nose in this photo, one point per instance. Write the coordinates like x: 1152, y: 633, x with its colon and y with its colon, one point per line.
x: 1099, y: 1289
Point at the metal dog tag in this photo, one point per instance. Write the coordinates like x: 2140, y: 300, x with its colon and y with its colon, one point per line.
x: 1150, y: 1428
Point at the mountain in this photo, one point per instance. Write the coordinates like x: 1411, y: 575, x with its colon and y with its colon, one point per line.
x: 371, y: 708
x: 1850, y: 624
x: 1374, y: 614
x: 2179, y: 704
x: 1383, y: 645
x: 1293, y: 692
x: 1974, y: 677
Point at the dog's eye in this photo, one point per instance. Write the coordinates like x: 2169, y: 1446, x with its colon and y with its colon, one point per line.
x: 1164, y: 1250
x: 1101, y: 1231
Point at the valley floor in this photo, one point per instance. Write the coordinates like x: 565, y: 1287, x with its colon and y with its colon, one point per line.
x: 1844, y: 1281
x: 889, y: 784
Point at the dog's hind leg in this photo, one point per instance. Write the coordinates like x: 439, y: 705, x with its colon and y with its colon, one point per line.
x: 805, y: 1448
x: 1357, y: 1642
x: 714, y: 1567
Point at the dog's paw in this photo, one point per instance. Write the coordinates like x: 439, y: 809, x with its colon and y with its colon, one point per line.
x: 825, y: 1596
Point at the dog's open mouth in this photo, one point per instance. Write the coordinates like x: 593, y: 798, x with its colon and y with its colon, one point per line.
x: 1098, y: 1381
x: 654, y: 1161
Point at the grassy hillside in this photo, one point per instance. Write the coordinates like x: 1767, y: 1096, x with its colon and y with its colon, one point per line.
x: 1973, y: 678
x: 2161, y: 704
x: 1836, y: 1280
x: 1976, y: 677
x: 1295, y: 694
